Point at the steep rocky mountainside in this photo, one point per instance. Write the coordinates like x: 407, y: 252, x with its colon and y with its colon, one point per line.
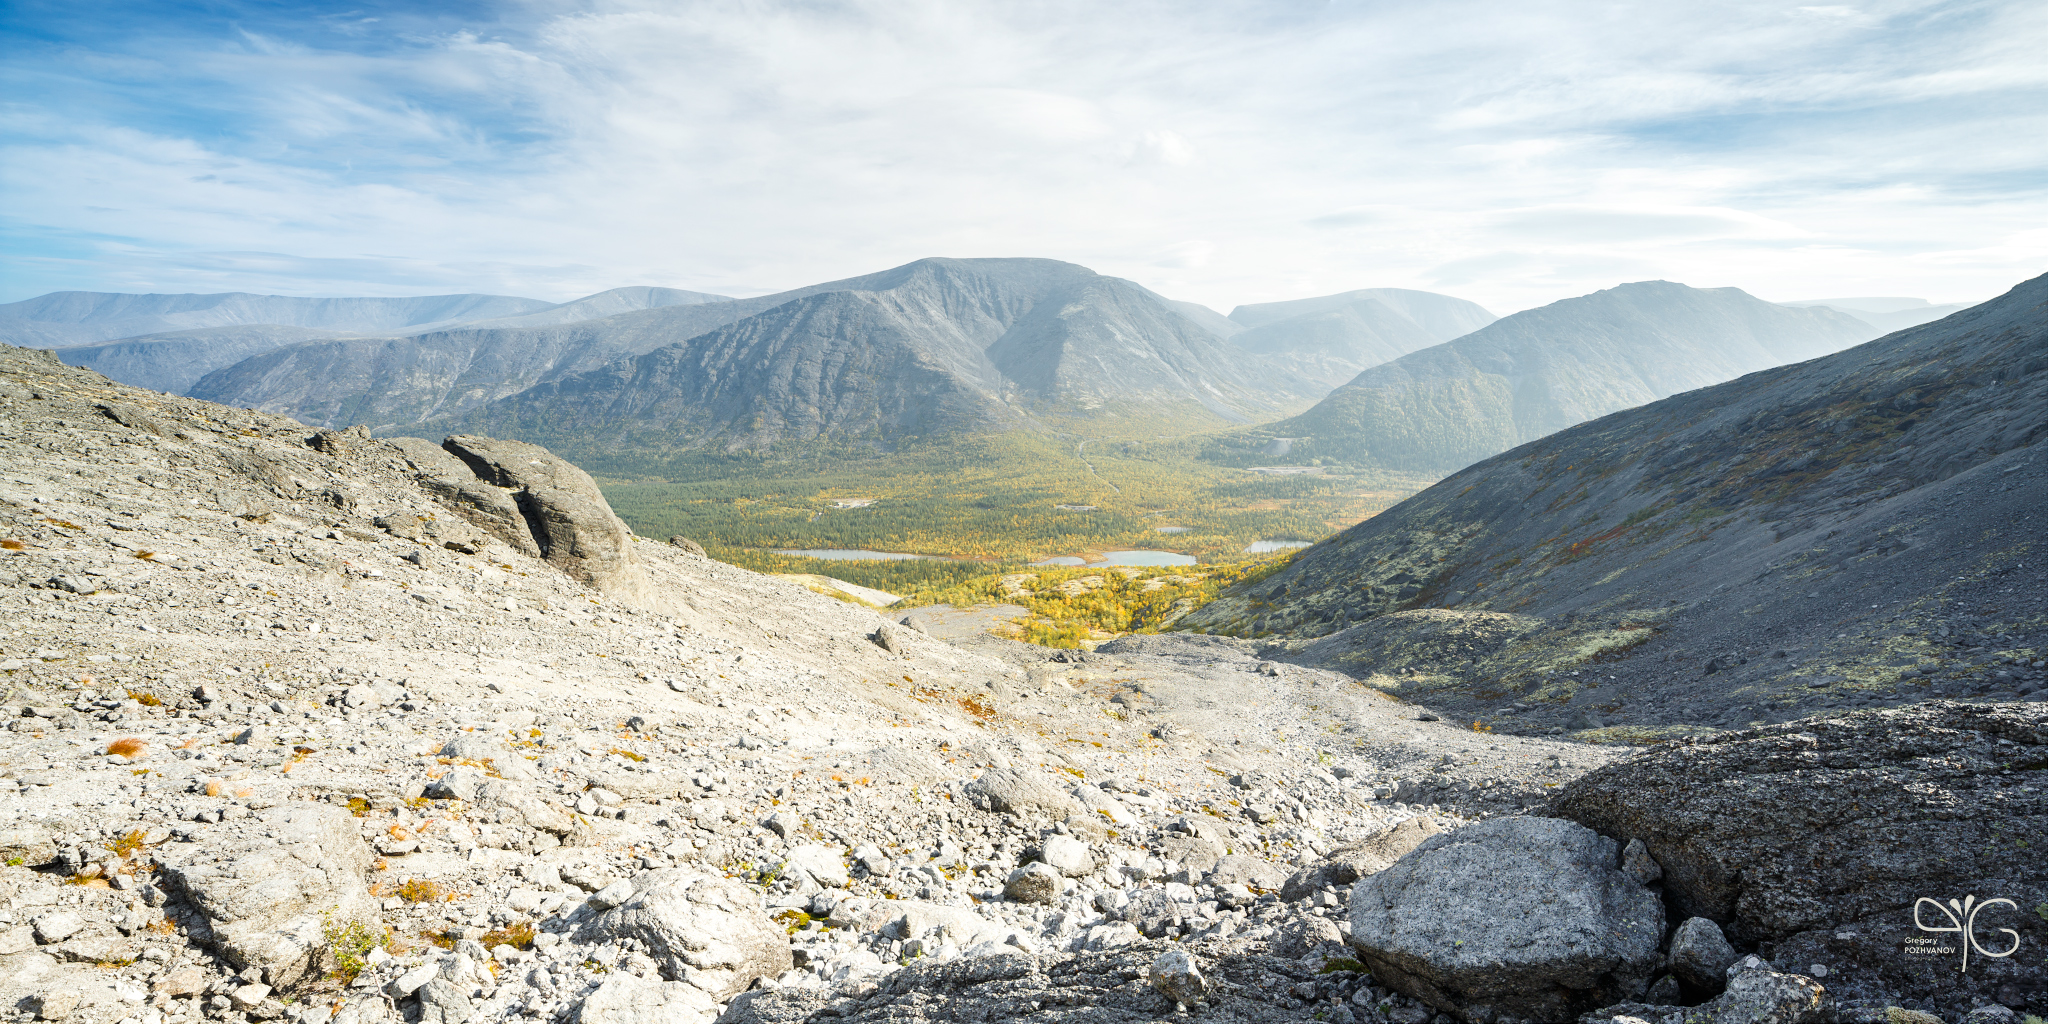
x: 64, y: 319
x: 310, y: 726
x: 1541, y: 370
x: 1856, y: 530
x: 935, y: 346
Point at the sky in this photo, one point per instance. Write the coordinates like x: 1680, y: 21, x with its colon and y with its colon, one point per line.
x: 1511, y: 153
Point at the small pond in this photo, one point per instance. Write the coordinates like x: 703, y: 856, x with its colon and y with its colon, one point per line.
x: 1260, y: 547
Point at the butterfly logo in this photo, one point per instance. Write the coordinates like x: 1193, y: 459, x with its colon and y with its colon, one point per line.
x: 1962, y: 919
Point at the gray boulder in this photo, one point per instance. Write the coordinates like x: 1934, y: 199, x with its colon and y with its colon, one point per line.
x: 266, y: 886
x: 1700, y: 955
x: 701, y: 928
x: 1348, y: 864
x: 1026, y: 794
x: 1036, y: 882
x: 1238, y: 869
x: 1523, y: 917
x: 1819, y: 836
x: 1177, y: 977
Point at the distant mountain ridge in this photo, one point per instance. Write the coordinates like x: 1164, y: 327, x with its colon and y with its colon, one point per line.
x: 70, y: 319
x: 1541, y: 370
x: 1329, y: 339
x: 935, y: 345
x: 175, y: 361
x: 1887, y: 314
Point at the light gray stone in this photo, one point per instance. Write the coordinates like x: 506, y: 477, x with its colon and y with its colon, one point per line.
x: 701, y: 928
x: 822, y: 864
x: 1238, y: 869
x: 627, y: 999
x: 443, y: 1002
x: 57, y: 926
x: 1036, y: 882
x: 266, y: 894
x: 1177, y: 977
x: 1636, y: 860
x: 1022, y: 792
x: 1068, y: 855
x: 1524, y: 917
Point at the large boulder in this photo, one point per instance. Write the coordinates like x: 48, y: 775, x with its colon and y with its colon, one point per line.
x: 1513, y: 917
x: 701, y: 928
x: 566, y: 514
x: 1353, y: 861
x: 1815, y: 840
x: 538, y: 503
x: 267, y: 886
x: 456, y: 487
x: 1024, y: 793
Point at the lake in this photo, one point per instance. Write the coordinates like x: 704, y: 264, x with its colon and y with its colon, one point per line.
x: 1260, y: 547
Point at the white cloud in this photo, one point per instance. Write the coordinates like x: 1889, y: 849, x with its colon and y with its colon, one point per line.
x: 1224, y: 153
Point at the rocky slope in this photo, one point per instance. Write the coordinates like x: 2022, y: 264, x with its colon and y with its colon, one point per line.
x: 409, y: 685
x: 64, y: 319
x: 1857, y: 530
x: 1541, y: 370
x: 310, y: 726
x: 931, y: 347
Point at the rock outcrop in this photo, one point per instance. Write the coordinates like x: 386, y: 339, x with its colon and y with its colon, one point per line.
x: 1816, y: 840
x: 539, y: 504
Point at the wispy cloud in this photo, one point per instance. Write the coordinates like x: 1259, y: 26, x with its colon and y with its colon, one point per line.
x: 1225, y: 152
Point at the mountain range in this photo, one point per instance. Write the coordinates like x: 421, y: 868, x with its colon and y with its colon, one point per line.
x: 167, y: 342
x: 1440, y: 408
x: 1675, y: 562
x: 933, y: 346
x: 1388, y: 378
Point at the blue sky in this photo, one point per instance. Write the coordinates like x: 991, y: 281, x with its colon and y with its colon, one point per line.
x: 1508, y: 153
